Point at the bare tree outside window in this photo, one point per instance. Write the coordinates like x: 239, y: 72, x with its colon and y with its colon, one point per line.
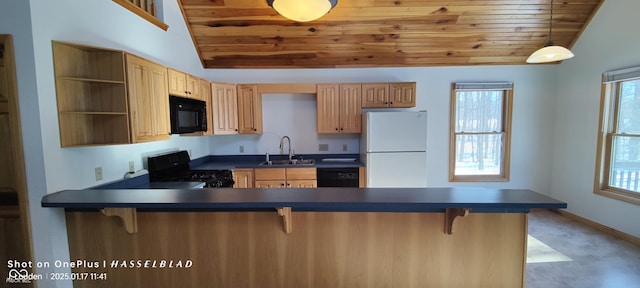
x: 480, y: 121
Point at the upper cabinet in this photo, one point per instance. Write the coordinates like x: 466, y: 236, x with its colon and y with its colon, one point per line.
x: 109, y: 97
x: 205, y: 87
x: 224, y: 102
x: 389, y: 95
x: 91, y: 95
x: 185, y: 85
x: 148, y: 100
x: 249, y: 109
x: 338, y: 108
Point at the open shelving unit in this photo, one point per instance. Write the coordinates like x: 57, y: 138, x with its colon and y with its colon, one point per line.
x: 91, y: 95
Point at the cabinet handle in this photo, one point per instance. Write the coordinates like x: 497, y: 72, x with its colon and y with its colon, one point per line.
x: 336, y: 129
x: 386, y: 103
x: 341, y: 129
x: 282, y: 184
x: 236, y: 129
x: 391, y: 102
x: 254, y: 129
x: 288, y: 184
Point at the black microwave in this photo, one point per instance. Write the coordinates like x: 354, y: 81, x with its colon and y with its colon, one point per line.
x: 187, y: 115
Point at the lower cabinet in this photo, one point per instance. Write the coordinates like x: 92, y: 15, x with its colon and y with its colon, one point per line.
x: 243, y: 178
x: 285, y: 178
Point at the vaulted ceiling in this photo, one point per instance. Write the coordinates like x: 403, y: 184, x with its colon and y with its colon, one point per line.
x: 382, y: 33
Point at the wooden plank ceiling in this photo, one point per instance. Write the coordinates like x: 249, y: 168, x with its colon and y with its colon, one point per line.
x: 382, y: 33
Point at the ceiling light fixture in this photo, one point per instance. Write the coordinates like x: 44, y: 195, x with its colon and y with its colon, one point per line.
x: 302, y: 10
x: 550, y: 52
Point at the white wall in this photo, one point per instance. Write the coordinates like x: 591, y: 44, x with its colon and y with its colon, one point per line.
x: 532, y: 114
x: 610, y: 42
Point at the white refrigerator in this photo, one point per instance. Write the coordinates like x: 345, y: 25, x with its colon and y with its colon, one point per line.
x: 394, y: 148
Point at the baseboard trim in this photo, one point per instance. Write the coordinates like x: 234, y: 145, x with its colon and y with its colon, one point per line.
x: 600, y: 227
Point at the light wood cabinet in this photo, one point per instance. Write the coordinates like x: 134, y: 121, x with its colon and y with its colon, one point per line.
x: 249, y: 109
x: 148, y: 100
x: 338, y: 108
x: 389, y: 95
x: 183, y: 84
x: 224, y: 102
x: 285, y: 178
x: 243, y: 178
x: 205, y: 88
x: 91, y: 95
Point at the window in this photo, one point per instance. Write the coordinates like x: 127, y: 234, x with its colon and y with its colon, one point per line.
x: 480, y: 132
x: 147, y: 9
x: 618, y: 161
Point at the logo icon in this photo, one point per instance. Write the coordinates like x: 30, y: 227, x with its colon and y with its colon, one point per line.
x: 19, y: 276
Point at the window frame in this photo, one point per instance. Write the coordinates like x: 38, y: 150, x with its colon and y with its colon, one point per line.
x: 607, y: 130
x: 507, y: 107
x: 150, y: 16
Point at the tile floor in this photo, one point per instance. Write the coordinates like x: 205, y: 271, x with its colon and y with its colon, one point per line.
x: 597, y: 260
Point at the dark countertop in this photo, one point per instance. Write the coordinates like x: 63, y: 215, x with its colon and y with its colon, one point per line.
x: 217, y: 162
x: 479, y: 200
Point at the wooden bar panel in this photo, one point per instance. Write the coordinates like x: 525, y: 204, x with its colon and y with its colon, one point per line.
x: 324, y: 249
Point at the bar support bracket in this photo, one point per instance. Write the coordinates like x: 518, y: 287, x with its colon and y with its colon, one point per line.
x: 450, y: 215
x: 128, y: 216
x: 285, y: 212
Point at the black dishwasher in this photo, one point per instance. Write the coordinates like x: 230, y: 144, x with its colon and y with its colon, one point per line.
x: 338, y: 177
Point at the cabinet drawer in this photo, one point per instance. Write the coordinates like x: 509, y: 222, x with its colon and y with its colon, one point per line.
x: 269, y: 174
x: 301, y: 173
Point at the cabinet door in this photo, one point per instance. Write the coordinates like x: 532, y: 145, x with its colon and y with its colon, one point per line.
x: 302, y: 183
x: 350, y: 106
x: 224, y: 108
x: 328, y: 108
x: 177, y: 83
x: 193, y: 87
x: 249, y: 110
x: 275, y: 174
x: 205, y: 88
x: 269, y: 184
x: 301, y: 174
x: 243, y: 178
x: 148, y: 100
x: 402, y: 95
x: 375, y: 95
x: 160, y: 107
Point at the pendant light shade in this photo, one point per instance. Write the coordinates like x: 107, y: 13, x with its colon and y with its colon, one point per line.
x: 302, y: 10
x: 550, y: 52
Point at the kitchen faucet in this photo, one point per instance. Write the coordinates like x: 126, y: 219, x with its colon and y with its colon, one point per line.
x: 282, y: 146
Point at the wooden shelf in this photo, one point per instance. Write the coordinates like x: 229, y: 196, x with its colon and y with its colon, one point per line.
x: 91, y: 95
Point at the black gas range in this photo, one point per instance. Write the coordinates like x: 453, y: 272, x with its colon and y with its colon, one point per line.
x: 175, y: 167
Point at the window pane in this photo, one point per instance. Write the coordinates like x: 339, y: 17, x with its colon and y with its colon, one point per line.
x: 479, y: 111
x: 629, y: 111
x: 478, y: 154
x: 625, y: 163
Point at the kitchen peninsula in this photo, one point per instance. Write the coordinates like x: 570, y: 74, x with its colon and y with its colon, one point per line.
x: 321, y: 237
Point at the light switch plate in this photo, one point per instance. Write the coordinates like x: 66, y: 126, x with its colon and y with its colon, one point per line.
x: 98, y: 173
x: 323, y: 147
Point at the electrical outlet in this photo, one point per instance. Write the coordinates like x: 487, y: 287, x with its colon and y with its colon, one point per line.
x: 132, y: 167
x: 323, y: 147
x: 98, y: 173
x: 241, y: 149
x: 345, y: 147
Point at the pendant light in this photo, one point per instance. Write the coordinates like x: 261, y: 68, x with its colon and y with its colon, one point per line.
x: 551, y: 52
x: 302, y: 10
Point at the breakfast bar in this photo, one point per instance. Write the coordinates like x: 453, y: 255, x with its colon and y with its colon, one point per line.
x: 319, y: 237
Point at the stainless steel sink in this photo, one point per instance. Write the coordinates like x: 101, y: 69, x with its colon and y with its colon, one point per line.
x: 289, y: 162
